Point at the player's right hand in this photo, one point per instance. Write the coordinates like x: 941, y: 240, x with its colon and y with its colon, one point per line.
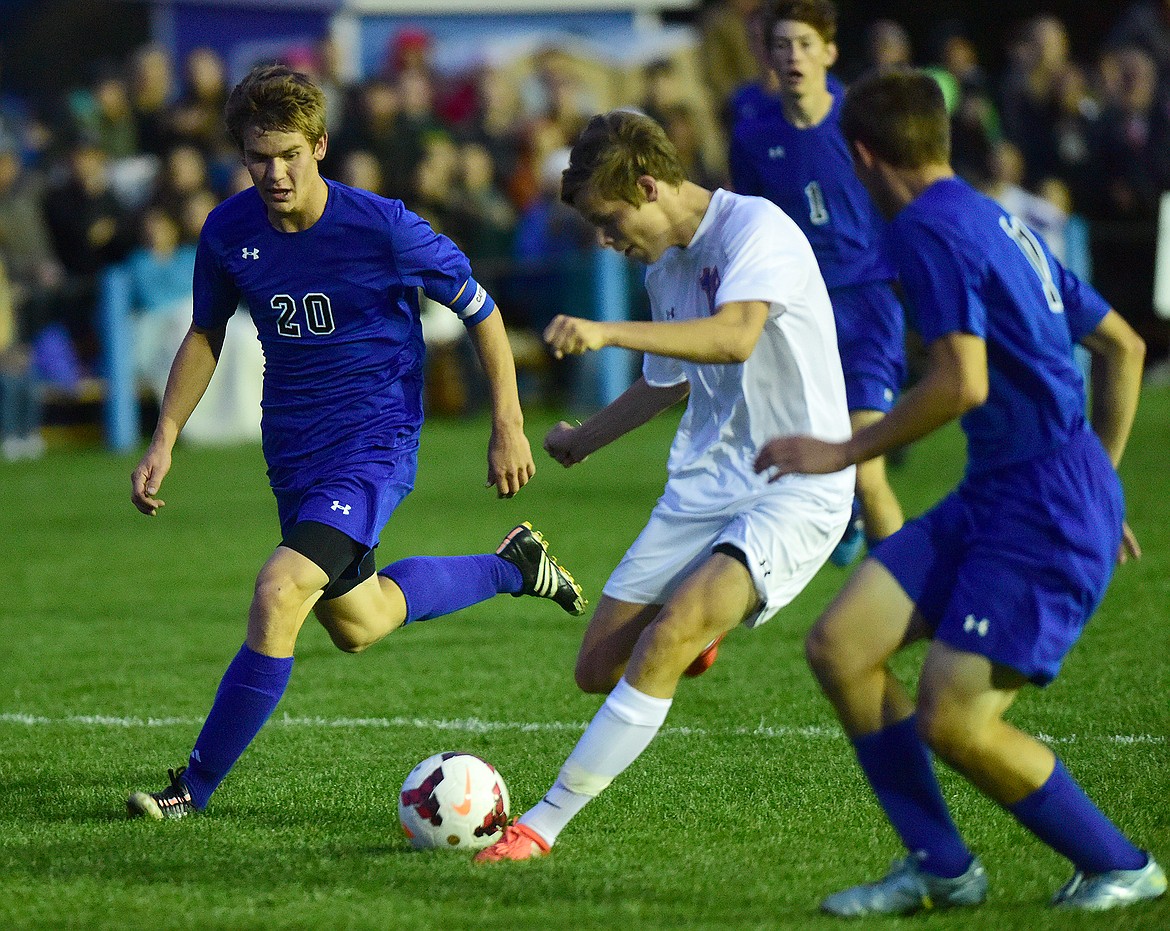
x: 572, y: 336
x: 802, y: 455
x: 146, y: 479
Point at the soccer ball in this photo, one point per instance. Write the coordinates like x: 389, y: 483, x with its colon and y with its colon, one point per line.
x: 453, y: 800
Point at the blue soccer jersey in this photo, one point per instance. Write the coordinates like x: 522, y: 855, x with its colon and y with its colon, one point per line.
x: 967, y: 266
x: 750, y: 101
x: 336, y: 309
x: 808, y: 173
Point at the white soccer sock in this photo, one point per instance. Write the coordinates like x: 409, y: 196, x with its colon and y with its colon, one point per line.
x: 622, y: 728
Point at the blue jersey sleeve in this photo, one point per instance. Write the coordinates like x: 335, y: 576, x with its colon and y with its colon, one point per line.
x: 431, y: 261
x: 1084, y: 307
x: 215, y: 295
x: 943, y: 292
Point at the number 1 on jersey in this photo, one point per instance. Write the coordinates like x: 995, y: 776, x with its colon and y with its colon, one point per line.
x: 1034, y: 253
x: 818, y: 213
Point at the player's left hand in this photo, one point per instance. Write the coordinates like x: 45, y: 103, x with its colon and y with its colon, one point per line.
x: 559, y: 444
x: 1130, y: 548
x: 510, y: 463
x: 805, y: 455
x: 572, y: 336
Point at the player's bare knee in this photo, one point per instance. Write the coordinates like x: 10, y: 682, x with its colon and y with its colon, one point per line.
x: 676, y: 632
x: 815, y: 653
x: 949, y: 733
x: 275, y: 598
x: 824, y: 655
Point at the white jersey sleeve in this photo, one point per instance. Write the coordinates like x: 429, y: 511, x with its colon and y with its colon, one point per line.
x: 758, y: 267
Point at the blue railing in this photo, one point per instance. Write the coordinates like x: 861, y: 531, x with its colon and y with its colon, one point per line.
x: 604, y: 375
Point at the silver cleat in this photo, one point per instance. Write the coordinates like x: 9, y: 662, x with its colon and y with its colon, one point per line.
x: 907, y: 889
x: 1097, y: 892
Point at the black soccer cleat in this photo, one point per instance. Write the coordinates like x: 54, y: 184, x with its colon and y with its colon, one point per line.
x: 543, y: 576
x: 172, y: 802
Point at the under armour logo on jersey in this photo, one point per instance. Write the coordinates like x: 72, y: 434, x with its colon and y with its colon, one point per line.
x: 709, y: 281
x: 979, y: 627
x: 343, y: 508
x: 776, y: 151
x: 250, y: 253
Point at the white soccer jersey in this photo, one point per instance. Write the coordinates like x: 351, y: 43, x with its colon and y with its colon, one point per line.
x: 746, y: 248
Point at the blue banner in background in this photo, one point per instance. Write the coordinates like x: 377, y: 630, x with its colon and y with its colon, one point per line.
x: 247, y: 32
x: 243, y: 34
x: 465, y: 40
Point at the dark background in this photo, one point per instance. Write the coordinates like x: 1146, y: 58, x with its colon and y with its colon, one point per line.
x: 51, y: 45
x: 989, y: 24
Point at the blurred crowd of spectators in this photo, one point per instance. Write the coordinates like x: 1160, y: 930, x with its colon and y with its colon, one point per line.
x: 126, y: 168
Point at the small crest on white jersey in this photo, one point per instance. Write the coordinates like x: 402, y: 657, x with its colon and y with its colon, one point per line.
x: 709, y: 281
x: 250, y: 253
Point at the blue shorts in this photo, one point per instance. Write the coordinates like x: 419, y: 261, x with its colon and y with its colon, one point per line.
x: 871, y: 337
x: 356, y: 498
x: 1012, y: 563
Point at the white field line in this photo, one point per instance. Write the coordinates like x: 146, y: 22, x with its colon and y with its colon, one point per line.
x: 480, y: 726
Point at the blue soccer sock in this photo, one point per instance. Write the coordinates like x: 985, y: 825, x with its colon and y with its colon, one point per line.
x: 1065, y: 818
x: 247, y: 696
x: 899, y: 768
x: 438, y: 585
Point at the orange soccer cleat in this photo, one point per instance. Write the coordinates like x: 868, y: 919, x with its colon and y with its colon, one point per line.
x: 704, y: 660
x: 519, y: 842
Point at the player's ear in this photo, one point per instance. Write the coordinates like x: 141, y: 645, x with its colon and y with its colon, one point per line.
x: 830, y: 54
x: 321, y: 146
x: 649, y: 188
x: 862, y: 154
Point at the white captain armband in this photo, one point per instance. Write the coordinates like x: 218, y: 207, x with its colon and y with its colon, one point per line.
x: 473, y: 303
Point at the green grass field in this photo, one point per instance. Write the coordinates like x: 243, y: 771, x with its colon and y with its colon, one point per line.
x: 115, y: 630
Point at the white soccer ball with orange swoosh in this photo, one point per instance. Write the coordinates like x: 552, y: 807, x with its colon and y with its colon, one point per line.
x: 453, y: 800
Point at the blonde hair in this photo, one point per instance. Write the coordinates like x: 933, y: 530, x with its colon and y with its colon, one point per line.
x: 275, y: 98
x: 613, y: 151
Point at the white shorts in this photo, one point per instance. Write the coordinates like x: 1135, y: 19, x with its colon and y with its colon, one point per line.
x: 786, y: 533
